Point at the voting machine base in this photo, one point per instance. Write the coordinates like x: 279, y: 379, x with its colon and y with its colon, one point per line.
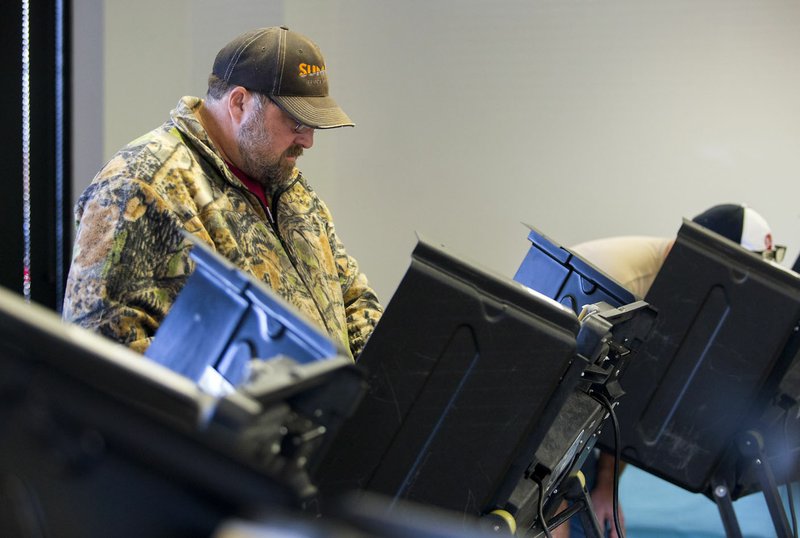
x: 98, y: 441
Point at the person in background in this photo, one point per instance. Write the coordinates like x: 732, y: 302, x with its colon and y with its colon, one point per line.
x: 222, y: 169
x: 634, y: 262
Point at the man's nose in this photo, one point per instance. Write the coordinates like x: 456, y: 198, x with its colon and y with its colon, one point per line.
x: 305, y: 139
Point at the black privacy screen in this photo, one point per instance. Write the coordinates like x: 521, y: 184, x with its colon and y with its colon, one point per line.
x: 463, y: 370
x: 719, y: 363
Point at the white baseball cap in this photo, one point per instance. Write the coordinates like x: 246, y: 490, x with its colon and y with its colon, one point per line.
x: 743, y: 225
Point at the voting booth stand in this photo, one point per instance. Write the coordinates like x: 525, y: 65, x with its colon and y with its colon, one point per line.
x: 469, y: 413
x: 712, y: 402
x: 484, y: 395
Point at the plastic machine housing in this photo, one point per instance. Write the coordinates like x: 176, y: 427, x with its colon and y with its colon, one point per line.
x: 98, y: 441
x: 722, y: 360
x: 562, y: 275
x: 223, y: 318
x: 465, y: 375
x: 616, y: 317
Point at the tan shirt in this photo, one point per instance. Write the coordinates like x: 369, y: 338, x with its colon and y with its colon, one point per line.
x: 632, y: 261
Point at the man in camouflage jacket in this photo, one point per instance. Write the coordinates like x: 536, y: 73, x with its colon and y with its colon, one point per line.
x: 131, y: 260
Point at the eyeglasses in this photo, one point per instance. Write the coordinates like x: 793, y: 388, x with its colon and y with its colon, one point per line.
x: 300, y: 127
x: 775, y: 254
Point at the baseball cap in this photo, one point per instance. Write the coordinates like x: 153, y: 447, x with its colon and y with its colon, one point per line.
x: 288, y: 68
x: 743, y: 225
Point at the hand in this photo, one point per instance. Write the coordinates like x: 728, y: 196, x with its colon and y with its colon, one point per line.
x: 603, y: 496
x: 603, y: 503
x: 563, y: 530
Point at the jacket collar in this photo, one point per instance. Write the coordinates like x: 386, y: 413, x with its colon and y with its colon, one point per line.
x: 184, y: 116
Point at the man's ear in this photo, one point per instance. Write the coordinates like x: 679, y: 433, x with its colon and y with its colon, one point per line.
x: 237, y: 98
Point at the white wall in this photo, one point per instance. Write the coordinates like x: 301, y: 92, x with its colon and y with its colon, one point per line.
x: 88, y: 42
x: 583, y: 118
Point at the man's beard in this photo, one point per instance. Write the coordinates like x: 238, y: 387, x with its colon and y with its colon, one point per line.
x: 254, y: 142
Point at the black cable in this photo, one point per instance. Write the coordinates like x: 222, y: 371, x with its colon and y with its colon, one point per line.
x: 789, y: 495
x: 541, y: 509
x: 617, y: 457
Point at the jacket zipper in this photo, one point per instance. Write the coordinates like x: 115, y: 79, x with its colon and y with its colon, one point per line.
x: 273, y: 217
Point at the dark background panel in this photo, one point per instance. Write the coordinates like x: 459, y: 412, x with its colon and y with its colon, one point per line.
x: 48, y: 60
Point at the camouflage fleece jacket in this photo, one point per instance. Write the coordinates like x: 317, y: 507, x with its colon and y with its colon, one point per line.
x: 130, y: 259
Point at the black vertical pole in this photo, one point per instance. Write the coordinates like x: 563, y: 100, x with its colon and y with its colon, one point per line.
x: 49, y: 83
x: 11, y: 239
x: 35, y: 189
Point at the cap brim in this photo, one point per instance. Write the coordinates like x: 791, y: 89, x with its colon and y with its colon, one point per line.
x: 316, y: 112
